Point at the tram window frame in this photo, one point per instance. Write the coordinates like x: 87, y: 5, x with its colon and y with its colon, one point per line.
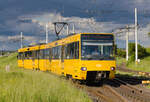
x: 56, y: 52
x: 72, y: 50
x: 76, y: 56
x: 26, y: 55
x: 46, y: 53
x: 20, y: 55
x: 41, y: 54
x: 59, y: 52
x: 34, y: 54
x: 50, y: 54
x: 37, y: 54
x: 30, y: 55
x: 53, y: 53
x: 62, y: 53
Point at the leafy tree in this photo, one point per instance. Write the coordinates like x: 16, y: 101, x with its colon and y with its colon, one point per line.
x: 141, y: 51
x: 149, y: 34
x: 121, y: 53
x: 115, y: 49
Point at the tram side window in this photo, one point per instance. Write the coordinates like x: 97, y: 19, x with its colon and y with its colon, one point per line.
x: 37, y: 54
x: 41, y: 54
x: 26, y: 55
x: 29, y: 53
x: 53, y: 52
x: 76, y: 53
x: 56, y: 52
x: 50, y: 54
x: 72, y: 51
x: 20, y: 55
x: 46, y: 53
x: 34, y: 54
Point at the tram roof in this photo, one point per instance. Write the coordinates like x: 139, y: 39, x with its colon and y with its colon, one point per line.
x: 68, y: 39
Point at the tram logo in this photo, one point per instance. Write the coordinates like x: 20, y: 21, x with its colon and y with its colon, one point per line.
x: 98, y: 65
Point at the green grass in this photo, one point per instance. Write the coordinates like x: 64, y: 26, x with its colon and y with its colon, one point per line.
x: 148, y: 50
x: 120, y: 60
x: 124, y: 73
x: 143, y: 65
x: 148, y: 86
x: 20, y: 85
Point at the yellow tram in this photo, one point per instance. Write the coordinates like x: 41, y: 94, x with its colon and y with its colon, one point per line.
x: 83, y: 56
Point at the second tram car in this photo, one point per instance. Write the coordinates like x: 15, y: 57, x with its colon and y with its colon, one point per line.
x: 84, y: 56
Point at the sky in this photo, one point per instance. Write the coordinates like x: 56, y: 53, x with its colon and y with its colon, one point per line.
x: 31, y: 16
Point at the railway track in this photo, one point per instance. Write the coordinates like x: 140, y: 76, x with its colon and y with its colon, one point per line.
x: 103, y: 93
x: 144, y: 76
x: 131, y: 93
x: 116, y: 91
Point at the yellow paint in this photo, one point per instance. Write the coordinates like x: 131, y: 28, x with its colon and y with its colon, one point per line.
x: 20, y: 63
x: 69, y: 66
x: 146, y: 82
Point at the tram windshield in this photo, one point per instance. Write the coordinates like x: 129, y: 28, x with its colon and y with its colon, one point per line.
x: 97, y: 50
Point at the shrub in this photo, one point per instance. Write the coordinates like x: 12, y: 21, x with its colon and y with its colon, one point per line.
x: 121, y: 53
x: 141, y: 51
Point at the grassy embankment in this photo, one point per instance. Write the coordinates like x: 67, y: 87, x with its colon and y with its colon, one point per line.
x: 144, y: 64
x: 20, y: 85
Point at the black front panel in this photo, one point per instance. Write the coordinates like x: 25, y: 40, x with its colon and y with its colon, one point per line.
x: 96, y: 37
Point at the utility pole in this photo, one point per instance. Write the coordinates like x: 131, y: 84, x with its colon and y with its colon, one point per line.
x: 67, y: 29
x: 46, y: 33
x: 127, y: 29
x: 136, y: 37
x: 21, y: 34
x: 73, y: 28
x: 127, y: 43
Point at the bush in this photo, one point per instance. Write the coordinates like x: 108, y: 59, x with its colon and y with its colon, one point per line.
x: 148, y: 51
x: 115, y: 50
x: 141, y: 51
x: 121, y: 53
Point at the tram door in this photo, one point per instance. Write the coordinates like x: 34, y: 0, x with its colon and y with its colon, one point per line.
x: 50, y: 59
x: 33, y: 59
x: 23, y: 56
x: 62, y: 59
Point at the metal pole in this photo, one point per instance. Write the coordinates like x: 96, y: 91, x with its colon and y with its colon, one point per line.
x: 73, y: 29
x: 67, y: 29
x: 46, y: 33
x: 21, y: 39
x: 127, y: 41
x: 136, y: 37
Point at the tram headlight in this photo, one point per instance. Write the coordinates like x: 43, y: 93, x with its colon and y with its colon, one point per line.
x: 83, y: 68
x: 112, y: 68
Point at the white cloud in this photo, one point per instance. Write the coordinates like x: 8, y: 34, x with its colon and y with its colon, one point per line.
x: 3, y: 38
x: 81, y: 24
x: 36, y: 28
x: 13, y: 42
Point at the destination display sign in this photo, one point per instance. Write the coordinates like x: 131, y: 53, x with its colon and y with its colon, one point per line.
x: 96, y: 37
